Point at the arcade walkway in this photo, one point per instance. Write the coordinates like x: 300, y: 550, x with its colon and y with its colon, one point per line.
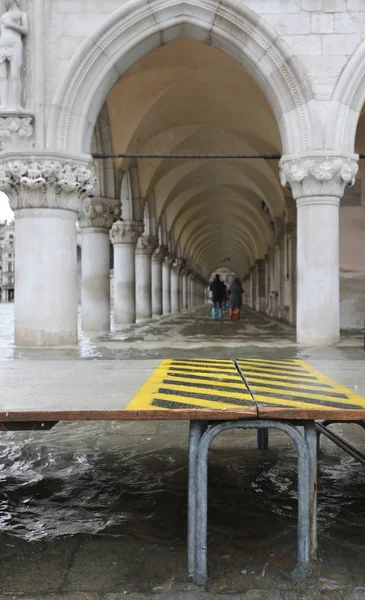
x: 186, y: 334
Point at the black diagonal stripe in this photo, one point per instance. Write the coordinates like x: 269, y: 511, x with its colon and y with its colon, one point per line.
x: 203, y: 361
x: 281, y: 370
x: 204, y: 377
x: 206, y: 386
x: 167, y: 404
x: 208, y: 397
x: 328, y: 403
x: 273, y: 386
x: 267, y: 375
x: 277, y: 383
x: 273, y: 362
x: 179, y: 364
x: 201, y: 370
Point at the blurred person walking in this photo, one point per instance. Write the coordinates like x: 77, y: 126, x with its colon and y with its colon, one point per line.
x: 235, y: 299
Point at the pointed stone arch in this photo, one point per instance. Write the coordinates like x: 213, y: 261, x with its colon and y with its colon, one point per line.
x: 139, y: 27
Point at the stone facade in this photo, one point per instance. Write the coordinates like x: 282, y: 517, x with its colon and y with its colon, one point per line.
x: 206, y: 77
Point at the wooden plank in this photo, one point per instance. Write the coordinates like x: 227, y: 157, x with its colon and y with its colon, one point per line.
x: 127, y: 415
x: 294, y: 414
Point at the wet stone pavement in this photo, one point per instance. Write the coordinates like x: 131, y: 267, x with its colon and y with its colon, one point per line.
x: 97, y: 511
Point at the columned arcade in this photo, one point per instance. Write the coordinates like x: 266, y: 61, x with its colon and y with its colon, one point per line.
x: 193, y: 77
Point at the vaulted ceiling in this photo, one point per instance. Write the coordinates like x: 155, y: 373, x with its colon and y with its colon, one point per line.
x: 188, y: 97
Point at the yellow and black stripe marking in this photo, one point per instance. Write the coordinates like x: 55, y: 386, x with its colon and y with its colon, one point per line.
x: 193, y: 385
x: 252, y: 386
x: 295, y: 384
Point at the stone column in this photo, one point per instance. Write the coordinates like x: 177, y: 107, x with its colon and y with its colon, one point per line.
x: 261, y: 286
x: 175, y: 285
x: 267, y: 283
x: 166, y: 284
x: 145, y: 247
x: 45, y: 192
x: 124, y: 236
x: 318, y: 182
x: 185, y: 288
x: 290, y: 267
x: 95, y: 220
x: 157, y: 260
x: 253, y: 287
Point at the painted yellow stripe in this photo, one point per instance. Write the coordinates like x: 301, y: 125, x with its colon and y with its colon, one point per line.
x: 292, y: 404
x: 308, y: 385
x: 206, y: 392
x: 293, y: 394
x: 197, y: 402
x: 204, y: 361
x: 279, y: 377
x: 273, y: 362
x: 237, y: 384
x: 337, y: 387
x: 193, y: 365
x: 197, y: 370
x: 144, y: 397
x: 210, y: 377
x: 273, y: 370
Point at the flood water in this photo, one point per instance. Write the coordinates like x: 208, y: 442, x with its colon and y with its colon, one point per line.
x: 128, y: 482
x: 101, y: 507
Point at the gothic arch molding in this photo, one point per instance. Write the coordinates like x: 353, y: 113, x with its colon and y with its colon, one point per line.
x: 138, y: 27
x: 348, y: 100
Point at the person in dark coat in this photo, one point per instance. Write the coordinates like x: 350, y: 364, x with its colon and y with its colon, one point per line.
x: 235, y: 298
x: 217, y: 289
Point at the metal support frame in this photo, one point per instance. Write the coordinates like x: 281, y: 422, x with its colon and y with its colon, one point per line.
x: 263, y: 439
x: 197, y: 428
x: 322, y: 429
x: 201, y: 441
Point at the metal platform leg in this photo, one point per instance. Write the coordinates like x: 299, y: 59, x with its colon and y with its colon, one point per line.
x: 310, y: 433
x: 304, y: 504
x: 197, y: 428
x: 263, y: 439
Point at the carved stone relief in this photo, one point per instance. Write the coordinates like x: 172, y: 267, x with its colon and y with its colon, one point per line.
x: 16, y: 132
x: 13, y: 29
x: 37, y: 183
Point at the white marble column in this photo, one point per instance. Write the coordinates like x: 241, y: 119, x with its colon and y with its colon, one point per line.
x: 45, y: 191
x: 267, y: 282
x: 261, y: 287
x: 318, y: 182
x: 166, y: 284
x: 124, y: 236
x: 185, y: 288
x: 175, y: 285
x: 145, y: 247
x: 290, y: 274
x: 157, y: 285
x: 95, y: 220
x: 253, y: 287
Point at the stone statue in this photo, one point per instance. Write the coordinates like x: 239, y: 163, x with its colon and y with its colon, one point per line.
x: 13, y: 25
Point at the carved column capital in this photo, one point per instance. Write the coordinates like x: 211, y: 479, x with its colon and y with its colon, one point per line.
x: 126, y: 232
x: 159, y: 254
x: 46, y: 180
x: 178, y: 265
x: 99, y: 212
x: 169, y: 260
x: 290, y: 229
x: 318, y: 174
x: 146, y: 245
